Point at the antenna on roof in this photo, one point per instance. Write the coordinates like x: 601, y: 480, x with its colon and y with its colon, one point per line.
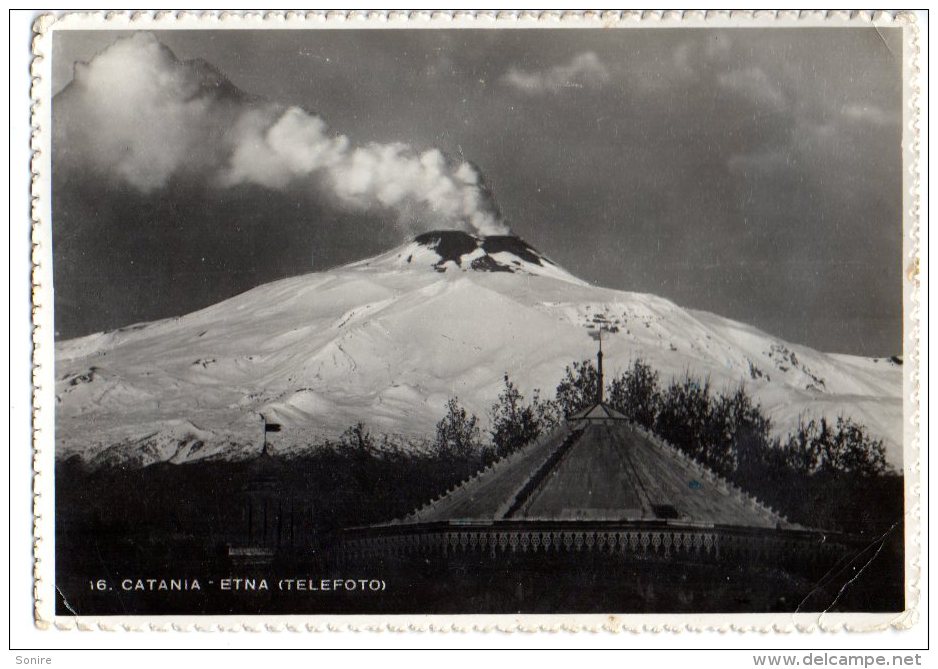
x: 599, y: 368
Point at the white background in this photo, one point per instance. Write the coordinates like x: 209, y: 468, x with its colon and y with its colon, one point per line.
x: 723, y: 649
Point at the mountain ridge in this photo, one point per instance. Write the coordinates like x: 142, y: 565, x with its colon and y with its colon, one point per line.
x: 458, y: 250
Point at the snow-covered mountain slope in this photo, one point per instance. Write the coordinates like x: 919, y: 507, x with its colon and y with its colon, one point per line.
x: 390, y: 339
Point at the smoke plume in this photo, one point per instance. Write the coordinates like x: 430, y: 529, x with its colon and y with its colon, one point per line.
x: 138, y: 114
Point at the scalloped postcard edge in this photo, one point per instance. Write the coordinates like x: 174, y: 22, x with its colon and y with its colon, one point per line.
x: 43, y: 447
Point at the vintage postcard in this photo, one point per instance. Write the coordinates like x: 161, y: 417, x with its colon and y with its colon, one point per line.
x: 470, y: 320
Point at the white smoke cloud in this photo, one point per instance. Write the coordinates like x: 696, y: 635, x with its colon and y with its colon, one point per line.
x: 297, y: 145
x: 138, y: 113
x: 585, y: 69
x: 134, y: 111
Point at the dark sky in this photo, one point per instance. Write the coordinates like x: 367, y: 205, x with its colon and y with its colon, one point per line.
x: 752, y: 173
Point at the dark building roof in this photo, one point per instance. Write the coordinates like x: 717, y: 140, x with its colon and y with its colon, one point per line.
x: 605, y: 508
x: 607, y: 471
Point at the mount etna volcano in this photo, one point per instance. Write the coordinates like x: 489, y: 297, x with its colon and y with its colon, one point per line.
x: 389, y: 339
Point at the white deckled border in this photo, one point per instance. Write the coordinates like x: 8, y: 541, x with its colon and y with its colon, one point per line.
x: 43, y: 440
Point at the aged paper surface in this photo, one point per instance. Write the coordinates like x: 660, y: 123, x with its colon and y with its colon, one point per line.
x: 529, y: 321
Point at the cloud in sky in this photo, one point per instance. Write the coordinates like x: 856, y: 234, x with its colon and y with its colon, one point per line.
x: 583, y: 70
x: 755, y: 84
x: 869, y: 113
x: 139, y: 114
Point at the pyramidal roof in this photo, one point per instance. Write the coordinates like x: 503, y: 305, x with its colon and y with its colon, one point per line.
x: 602, y: 471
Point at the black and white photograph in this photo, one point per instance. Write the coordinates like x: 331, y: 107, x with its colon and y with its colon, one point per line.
x: 547, y: 320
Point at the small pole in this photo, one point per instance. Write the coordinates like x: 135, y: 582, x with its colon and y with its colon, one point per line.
x: 264, y: 428
x: 599, y: 360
